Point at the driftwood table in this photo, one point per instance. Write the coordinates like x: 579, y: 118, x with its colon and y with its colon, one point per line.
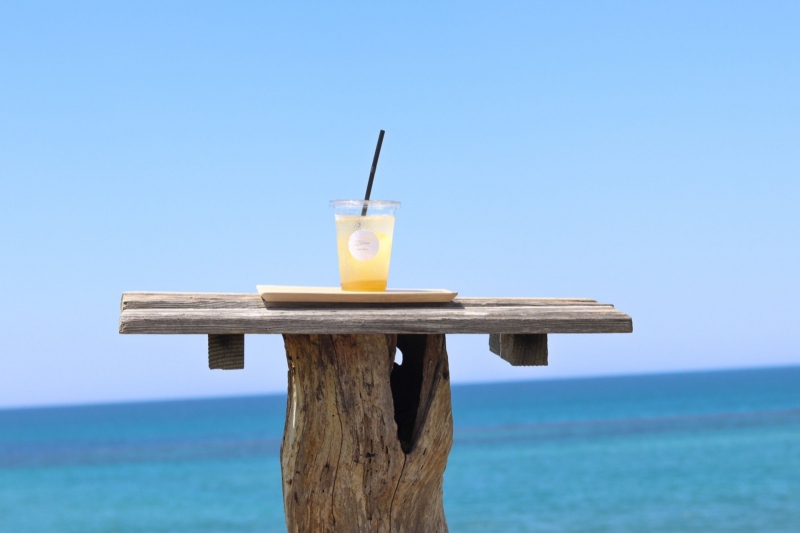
x: 366, y: 440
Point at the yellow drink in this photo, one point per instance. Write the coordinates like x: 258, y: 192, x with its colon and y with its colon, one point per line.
x: 365, y: 247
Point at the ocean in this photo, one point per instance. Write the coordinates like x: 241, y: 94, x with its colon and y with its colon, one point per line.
x: 695, y: 452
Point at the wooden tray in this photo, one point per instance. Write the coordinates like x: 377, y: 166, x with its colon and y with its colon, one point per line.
x: 285, y: 293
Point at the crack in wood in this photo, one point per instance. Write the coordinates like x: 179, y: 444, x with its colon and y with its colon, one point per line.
x: 396, y: 488
x: 341, y: 442
x: 406, y: 383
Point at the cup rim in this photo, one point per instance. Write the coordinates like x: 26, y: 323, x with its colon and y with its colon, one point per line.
x: 361, y: 203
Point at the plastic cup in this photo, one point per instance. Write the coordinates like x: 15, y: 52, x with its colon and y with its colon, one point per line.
x: 364, y: 243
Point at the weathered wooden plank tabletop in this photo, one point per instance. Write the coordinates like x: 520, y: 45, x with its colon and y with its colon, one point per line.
x: 219, y: 313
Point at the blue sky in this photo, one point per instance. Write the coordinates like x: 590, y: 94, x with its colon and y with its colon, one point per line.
x: 640, y: 153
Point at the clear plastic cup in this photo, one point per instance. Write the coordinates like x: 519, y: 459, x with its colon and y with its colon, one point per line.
x: 364, y: 241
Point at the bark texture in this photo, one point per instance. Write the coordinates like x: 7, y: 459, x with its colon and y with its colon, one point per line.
x: 366, y: 440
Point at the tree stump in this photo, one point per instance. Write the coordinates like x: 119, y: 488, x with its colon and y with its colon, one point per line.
x: 366, y: 440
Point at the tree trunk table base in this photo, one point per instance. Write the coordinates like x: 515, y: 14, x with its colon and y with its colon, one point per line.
x: 366, y: 440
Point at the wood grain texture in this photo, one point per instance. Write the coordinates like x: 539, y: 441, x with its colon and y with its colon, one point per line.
x: 160, y: 313
x: 417, y: 504
x: 520, y: 349
x: 211, y: 300
x: 342, y: 462
x: 226, y: 352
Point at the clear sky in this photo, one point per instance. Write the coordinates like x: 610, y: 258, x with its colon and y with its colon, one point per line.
x: 645, y: 154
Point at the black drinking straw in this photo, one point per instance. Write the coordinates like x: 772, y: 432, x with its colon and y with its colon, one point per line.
x: 372, y: 171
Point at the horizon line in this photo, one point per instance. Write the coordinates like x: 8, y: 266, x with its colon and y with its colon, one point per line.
x: 67, y: 405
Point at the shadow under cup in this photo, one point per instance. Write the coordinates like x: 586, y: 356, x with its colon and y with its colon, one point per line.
x: 364, y: 230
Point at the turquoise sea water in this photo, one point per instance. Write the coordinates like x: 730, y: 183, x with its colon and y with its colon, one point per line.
x: 702, y: 452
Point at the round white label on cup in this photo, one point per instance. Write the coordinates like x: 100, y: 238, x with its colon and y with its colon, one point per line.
x: 363, y: 245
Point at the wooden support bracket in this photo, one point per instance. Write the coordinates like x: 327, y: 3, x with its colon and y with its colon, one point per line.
x: 520, y: 349
x: 226, y: 352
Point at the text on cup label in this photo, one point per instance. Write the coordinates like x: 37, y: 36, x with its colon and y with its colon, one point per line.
x: 363, y: 245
